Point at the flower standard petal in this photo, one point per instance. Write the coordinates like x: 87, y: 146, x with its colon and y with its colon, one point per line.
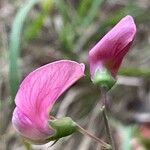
x: 110, y: 50
x: 37, y: 95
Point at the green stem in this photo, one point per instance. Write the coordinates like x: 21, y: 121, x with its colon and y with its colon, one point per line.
x: 102, y: 143
x: 104, y: 113
x: 110, y: 139
x: 27, y: 145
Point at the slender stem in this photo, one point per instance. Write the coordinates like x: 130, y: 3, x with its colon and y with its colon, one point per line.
x: 83, y: 131
x: 27, y: 145
x: 104, y: 113
x: 107, y: 127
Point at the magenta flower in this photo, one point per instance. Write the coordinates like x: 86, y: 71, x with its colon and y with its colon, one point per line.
x: 37, y: 95
x: 110, y: 50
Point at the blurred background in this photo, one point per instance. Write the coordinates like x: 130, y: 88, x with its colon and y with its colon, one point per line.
x: 34, y: 33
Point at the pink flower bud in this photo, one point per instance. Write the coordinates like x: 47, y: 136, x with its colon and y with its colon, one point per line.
x: 110, y: 50
x: 37, y: 95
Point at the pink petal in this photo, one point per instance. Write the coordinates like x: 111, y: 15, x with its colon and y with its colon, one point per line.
x: 111, y: 49
x: 38, y: 93
x: 145, y: 130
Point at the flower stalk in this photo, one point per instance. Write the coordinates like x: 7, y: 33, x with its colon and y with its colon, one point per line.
x: 66, y: 126
x: 85, y: 132
x: 106, y: 121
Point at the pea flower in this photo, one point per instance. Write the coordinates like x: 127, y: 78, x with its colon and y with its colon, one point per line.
x: 106, y: 56
x: 36, y: 96
x: 145, y: 130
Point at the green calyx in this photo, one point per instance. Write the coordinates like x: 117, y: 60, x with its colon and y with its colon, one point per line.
x: 63, y: 127
x: 103, y: 78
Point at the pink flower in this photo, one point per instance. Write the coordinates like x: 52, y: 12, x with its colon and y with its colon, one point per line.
x: 37, y: 95
x: 145, y: 130
x: 110, y: 50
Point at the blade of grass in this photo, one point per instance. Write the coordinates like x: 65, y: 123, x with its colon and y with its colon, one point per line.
x: 91, y: 14
x: 14, y: 45
x: 83, y: 7
x: 33, y: 29
x: 68, y: 13
x: 135, y: 72
x: 64, y: 9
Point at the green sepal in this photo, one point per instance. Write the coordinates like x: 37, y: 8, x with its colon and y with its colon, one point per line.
x: 63, y: 127
x: 104, y: 79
